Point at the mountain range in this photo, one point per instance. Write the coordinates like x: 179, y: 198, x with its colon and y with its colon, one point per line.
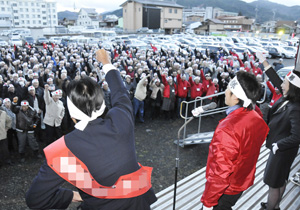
x: 264, y: 10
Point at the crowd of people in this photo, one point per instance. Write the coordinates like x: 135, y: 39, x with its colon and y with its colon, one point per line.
x: 33, y: 82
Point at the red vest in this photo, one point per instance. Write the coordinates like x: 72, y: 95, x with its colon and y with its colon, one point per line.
x: 73, y: 170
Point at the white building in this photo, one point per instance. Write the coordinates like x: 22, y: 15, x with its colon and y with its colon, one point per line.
x: 207, y: 13
x: 88, y: 17
x: 29, y: 13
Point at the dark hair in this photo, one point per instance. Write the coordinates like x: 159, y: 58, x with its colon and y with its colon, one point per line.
x: 294, y: 92
x: 86, y: 95
x: 251, y: 87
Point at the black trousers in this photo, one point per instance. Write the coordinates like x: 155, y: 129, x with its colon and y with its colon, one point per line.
x: 53, y: 133
x: 227, y: 201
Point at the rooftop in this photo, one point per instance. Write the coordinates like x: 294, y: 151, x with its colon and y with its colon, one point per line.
x: 161, y: 3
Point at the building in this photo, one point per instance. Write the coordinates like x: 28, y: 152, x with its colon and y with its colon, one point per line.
x: 268, y: 27
x: 195, y: 18
x: 286, y: 27
x: 109, y: 21
x: 153, y: 14
x: 237, y: 23
x: 210, y: 26
x: 88, y: 17
x: 206, y: 13
x: 28, y: 13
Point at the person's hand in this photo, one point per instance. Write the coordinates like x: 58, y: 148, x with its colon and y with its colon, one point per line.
x: 15, y: 99
x: 274, y: 148
x: 103, y: 57
x: 207, y: 208
x: 46, y: 87
x: 260, y: 56
x: 76, y: 197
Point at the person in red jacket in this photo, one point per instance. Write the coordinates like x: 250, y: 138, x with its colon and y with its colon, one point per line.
x: 235, y: 146
x: 276, y: 93
x: 170, y: 93
x: 196, y: 87
x: 207, y: 85
x: 183, y: 87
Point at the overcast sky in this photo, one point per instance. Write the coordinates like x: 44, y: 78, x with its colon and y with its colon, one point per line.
x: 110, y: 5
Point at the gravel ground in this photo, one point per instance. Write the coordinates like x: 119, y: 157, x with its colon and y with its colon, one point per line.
x: 154, y: 146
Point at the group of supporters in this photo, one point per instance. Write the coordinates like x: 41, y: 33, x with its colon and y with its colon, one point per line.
x: 33, y: 84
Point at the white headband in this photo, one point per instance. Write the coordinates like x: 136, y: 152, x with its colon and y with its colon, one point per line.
x: 79, y: 115
x: 238, y: 91
x: 294, y: 79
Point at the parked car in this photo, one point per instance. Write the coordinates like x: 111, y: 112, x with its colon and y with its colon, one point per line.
x: 5, y: 32
x: 273, y: 52
x: 55, y: 40
x: 28, y: 39
x: 143, y: 30
x: 15, y: 41
x: 42, y: 40
x: 284, y: 71
x: 3, y: 43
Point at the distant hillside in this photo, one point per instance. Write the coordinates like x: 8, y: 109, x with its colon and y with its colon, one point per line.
x: 265, y: 8
x: 67, y: 14
x: 264, y: 13
x: 118, y: 13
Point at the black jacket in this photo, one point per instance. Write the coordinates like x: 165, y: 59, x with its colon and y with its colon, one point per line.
x: 25, y: 120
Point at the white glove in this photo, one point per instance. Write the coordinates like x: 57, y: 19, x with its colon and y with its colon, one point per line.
x: 260, y: 56
x: 197, y: 111
x: 274, y: 148
x: 207, y: 208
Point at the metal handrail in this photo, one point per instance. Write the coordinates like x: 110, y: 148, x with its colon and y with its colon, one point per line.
x: 209, y: 112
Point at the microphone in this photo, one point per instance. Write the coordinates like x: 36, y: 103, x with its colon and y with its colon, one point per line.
x: 199, y: 110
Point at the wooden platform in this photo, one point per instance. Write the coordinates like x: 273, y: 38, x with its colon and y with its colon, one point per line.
x: 190, y: 189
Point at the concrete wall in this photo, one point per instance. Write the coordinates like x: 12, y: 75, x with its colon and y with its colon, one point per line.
x: 171, y: 19
x: 132, y: 16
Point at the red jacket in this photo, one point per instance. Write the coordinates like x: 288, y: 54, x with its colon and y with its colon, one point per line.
x: 196, y: 89
x: 182, y: 87
x: 167, y: 87
x: 206, y: 84
x: 275, y: 96
x: 233, y: 154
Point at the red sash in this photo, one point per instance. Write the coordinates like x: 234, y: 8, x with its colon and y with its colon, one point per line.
x: 73, y: 170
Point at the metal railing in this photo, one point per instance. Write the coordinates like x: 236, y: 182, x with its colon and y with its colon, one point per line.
x: 190, y: 105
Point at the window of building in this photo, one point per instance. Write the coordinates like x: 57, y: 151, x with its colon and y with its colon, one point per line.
x: 32, y: 4
x: 54, y: 16
x: 44, y: 18
x: 44, y: 24
x: 166, y: 20
x: 39, y: 16
x: 15, y: 11
x: 20, y: 3
x: 21, y: 9
x: 40, y: 22
x: 33, y: 16
x: 22, y: 16
x: 28, y: 22
x: 27, y: 10
x: 175, y: 11
x: 170, y: 10
x: 8, y: 9
x: 3, y: 9
x: 14, y: 4
x: 2, y: 2
x: 33, y: 21
x: 53, y: 4
x: 33, y: 10
x: 27, y: 16
x: 16, y: 17
x: 38, y: 10
x: 43, y: 6
x: 26, y: 3
x: 23, y: 22
x: 54, y: 22
x: 37, y: 4
x: 139, y: 9
x: 17, y: 24
x: 53, y: 10
x: 44, y: 12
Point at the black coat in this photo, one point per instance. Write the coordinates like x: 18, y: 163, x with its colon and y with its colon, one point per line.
x: 106, y: 147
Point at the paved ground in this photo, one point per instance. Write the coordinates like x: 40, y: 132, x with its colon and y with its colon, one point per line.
x: 155, y: 148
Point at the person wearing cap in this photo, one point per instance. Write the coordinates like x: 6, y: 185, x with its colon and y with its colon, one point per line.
x: 139, y: 97
x: 156, y: 96
x: 107, y: 174
x: 278, y: 65
x: 169, y: 96
x: 275, y: 93
x: 235, y: 146
x: 5, y: 125
x: 54, y: 114
x: 27, y: 120
x: 129, y: 86
x: 11, y: 133
x: 284, y: 136
x: 183, y: 87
